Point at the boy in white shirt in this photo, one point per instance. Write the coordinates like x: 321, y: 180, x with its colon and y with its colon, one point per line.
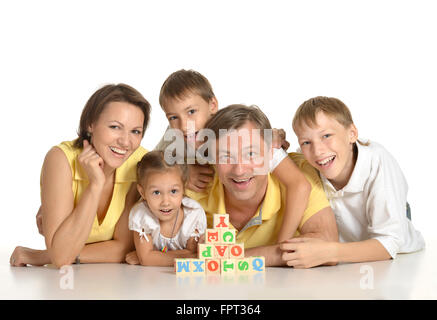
x: 364, y: 184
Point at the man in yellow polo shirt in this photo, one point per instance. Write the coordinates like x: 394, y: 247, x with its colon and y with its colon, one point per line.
x: 255, y: 202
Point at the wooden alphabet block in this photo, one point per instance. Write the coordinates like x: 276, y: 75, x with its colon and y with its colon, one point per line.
x: 182, y: 267
x: 227, y: 236
x: 221, y: 251
x: 220, y: 221
x: 205, y: 251
x: 228, y: 266
x: 243, y: 265
x: 197, y: 266
x: 212, y: 236
x: 236, y: 251
x: 212, y: 266
x: 257, y: 264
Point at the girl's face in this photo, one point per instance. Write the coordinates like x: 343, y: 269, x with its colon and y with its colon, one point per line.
x: 163, y: 191
x: 328, y: 147
x: 117, y: 133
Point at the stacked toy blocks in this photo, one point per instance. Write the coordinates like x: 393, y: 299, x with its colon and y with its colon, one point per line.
x: 220, y: 254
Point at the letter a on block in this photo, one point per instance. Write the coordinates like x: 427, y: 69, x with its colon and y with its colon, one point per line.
x: 182, y: 266
x: 221, y: 251
x: 221, y: 221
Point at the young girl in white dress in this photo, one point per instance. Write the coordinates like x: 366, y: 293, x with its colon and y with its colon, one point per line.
x: 166, y: 224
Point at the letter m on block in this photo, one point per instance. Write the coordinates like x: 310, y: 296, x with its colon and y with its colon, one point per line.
x: 183, y: 266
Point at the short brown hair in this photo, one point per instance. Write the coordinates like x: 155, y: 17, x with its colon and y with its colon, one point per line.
x: 182, y: 82
x: 235, y: 116
x: 100, y: 99
x: 155, y: 161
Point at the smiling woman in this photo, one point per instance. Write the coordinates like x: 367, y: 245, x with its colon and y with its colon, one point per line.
x: 87, y: 185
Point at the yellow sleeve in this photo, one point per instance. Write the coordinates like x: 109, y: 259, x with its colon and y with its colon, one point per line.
x: 317, y: 200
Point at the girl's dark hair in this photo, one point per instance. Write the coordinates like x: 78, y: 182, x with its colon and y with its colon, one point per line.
x: 100, y: 99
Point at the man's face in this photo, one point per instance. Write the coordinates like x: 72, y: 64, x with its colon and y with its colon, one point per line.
x: 241, y: 162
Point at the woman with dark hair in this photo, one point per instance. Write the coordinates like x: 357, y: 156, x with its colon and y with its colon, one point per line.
x: 88, y: 184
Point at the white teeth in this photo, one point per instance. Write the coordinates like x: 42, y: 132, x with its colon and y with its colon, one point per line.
x: 244, y: 180
x: 324, y: 162
x: 119, y: 151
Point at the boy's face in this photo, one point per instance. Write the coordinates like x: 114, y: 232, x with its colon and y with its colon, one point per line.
x: 189, y: 114
x: 328, y: 147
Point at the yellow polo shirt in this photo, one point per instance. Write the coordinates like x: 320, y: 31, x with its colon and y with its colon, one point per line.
x: 264, y: 226
x: 125, y: 175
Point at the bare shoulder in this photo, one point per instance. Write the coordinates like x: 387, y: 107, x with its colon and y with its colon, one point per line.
x: 56, y: 160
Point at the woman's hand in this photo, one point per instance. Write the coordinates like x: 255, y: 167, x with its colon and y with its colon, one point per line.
x: 278, y: 139
x: 307, y: 252
x: 132, y: 258
x: 199, y: 176
x: 22, y: 256
x: 92, y: 163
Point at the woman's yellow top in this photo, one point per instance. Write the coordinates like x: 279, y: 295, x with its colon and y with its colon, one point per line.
x: 125, y: 175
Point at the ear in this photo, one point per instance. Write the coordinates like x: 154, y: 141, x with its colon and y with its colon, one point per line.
x: 353, y: 133
x: 141, y: 191
x: 213, y: 105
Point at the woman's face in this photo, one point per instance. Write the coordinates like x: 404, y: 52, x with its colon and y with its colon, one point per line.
x: 117, y: 133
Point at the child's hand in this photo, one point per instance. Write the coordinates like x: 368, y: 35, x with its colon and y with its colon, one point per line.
x: 199, y: 176
x: 192, y: 245
x: 132, y: 258
x: 278, y: 139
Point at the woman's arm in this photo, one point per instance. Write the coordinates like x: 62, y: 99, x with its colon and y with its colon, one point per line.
x: 66, y: 228
x: 149, y: 257
x: 114, y: 251
x: 297, y: 195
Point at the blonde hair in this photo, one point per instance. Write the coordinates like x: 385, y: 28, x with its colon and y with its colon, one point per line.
x: 333, y: 107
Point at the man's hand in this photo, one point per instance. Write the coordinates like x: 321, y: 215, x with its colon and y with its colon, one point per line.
x: 307, y: 252
x: 199, y: 176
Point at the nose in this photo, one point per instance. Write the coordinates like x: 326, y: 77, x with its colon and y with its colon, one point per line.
x: 318, y: 148
x: 123, y: 138
x: 165, y: 199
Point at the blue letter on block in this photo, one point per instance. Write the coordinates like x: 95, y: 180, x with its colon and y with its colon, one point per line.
x: 183, y: 265
x: 258, y: 264
x: 200, y: 265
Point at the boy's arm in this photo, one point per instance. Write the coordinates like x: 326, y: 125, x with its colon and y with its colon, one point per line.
x: 147, y: 256
x: 298, y: 190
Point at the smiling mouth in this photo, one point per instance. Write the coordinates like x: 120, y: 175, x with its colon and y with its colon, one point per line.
x: 165, y: 211
x: 118, y: 151
x: 241, y: 182
x: 326, y: 162
x: 191, y: 136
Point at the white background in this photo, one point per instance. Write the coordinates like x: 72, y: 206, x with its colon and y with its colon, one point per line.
x: 379, y: 57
